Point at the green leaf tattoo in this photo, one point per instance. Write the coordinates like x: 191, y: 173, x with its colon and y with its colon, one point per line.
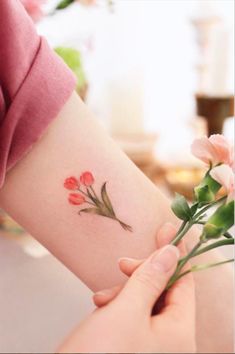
x: 106, y: 200
x: 87, y: 195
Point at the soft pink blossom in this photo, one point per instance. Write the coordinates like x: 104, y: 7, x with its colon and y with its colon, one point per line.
x: 224, y: 175
x: 34, y: 8
x: 87, y: 2
x: 215, y: 149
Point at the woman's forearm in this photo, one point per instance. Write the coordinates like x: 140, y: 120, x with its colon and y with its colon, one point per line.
x: 88, y: 244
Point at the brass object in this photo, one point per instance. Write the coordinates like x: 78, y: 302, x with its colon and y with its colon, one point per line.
x: 183, y: 180
x: 215, y: 109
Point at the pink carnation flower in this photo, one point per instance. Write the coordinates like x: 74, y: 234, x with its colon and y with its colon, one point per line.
x: 33, y: 7
x: 215, y: 149
x: 224, y: 175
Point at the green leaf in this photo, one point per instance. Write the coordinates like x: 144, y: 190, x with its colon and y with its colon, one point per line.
x: 72, y: 57
x: 205, y: 192
x: 203, y: 195
x: 212, y: 183
x: 106, y: 200
x: 181, y: 208
x: 219, y: 222
x: 223, y: 216
x: 92, y: 211
x: 193, y: 208
x: 63, y: 4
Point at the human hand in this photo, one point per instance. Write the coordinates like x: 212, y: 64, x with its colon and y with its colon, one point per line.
x: 123, y: 322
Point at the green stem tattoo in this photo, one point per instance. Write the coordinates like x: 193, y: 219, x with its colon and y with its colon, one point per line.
x: 100, y: 206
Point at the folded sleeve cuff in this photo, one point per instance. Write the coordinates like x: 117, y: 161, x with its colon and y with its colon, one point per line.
x: 42, y: 94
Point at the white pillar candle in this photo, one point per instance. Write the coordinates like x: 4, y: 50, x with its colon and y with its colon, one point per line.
x: 217, y: 72
x: 213, y: 41
x: 126, y: 105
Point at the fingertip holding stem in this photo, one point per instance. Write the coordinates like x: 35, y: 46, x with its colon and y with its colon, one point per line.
x: 100, y: 298
x: 129, y: 265
x: 126, y: 260
x: 165, y: 234
x: 165, y: 259
x: 103, y: 297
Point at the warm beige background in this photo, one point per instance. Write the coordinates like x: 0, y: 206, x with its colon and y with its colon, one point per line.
x: 40, y: 300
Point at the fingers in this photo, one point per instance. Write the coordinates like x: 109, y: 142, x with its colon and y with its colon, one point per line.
x: 129, y: 265
x: 103, y: 297
x: 148, y: 282
x: 165, y: 234
x: 180, y: 299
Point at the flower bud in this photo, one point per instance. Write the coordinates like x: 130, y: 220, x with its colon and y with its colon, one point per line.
x: 87, y: 179
x: 76, y: 199
x: 205, y: 192
x: 219, y: 222
x: 212, y: 231
x: 181, y: 208
x: 71, y: 183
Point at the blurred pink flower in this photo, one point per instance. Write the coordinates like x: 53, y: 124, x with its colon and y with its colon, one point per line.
x: 33, y: 7
x: 87, y: 2
x: 224, y: 175
x: 215, y: 149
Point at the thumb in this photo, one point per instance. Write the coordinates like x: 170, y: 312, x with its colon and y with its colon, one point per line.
x: 148, y: 282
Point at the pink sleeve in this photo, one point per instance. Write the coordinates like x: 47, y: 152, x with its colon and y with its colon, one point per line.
x: 34, y: 84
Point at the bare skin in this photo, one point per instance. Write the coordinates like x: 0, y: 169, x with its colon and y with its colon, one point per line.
x: 90, y: 245
x: 126, y: 317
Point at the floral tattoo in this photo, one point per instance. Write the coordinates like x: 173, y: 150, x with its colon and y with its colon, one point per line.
x: 99, y: 205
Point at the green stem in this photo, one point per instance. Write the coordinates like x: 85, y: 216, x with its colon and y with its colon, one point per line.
x: 220, y: 243
x: 82, y: 192
x: 182, y: 231
x: 123, y: 225
x: 182, y: 262
x: 185, y: 228
x: 89, y: 197
x: 198, y: 268
x: 189, y: 255
x: 86, y: 201
x: 202, y: 211
x: 95, y: 195
x: 182, y: 226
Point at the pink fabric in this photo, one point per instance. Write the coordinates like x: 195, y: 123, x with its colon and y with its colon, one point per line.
x: 34, y: 84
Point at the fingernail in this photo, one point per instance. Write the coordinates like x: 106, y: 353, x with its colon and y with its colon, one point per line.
x: 102, y: 292
x: 166, y: 258
x: 126, y: 259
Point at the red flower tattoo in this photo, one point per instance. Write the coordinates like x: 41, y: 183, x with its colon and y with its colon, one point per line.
x: 87, y: 179
x: 76, y: 199
x: 100, y: 205
x: 71, y: 183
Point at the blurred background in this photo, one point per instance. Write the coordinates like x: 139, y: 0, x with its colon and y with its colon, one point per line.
x: 157, y: 74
